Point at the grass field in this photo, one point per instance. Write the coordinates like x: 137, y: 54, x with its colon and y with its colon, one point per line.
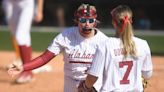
x: 40, y: 41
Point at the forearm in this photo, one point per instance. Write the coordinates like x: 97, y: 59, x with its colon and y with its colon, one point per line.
x: 39, y: 61
x: 90, y: 80
x: 40, y: 5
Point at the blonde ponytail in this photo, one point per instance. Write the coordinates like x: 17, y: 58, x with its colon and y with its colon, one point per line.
x: 127, y: 40
x: 122, y: 17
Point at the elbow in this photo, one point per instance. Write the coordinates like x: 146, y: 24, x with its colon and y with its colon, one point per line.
x: 147, y: 74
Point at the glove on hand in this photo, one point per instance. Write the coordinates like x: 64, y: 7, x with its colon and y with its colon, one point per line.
x: 83, y: 88
x: 144, y: 83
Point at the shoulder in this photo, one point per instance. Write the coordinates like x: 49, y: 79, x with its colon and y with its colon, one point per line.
x: 141, y: 45
x: 105, y: 46
x: 139, y: 41
x: 114, y: 41
x: 69, y: 31
x: 105, y: 43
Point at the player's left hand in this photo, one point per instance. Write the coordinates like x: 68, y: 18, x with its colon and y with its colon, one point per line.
x: 144, y: 83
x: 82, y: 88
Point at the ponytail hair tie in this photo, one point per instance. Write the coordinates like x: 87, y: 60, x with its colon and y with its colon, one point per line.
x: 125, y: 21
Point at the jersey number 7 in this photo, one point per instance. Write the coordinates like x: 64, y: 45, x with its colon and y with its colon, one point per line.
x: 129, y: 65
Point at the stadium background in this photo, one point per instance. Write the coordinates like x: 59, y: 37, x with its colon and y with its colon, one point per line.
x: 149, y: 26
x: 147, y: 14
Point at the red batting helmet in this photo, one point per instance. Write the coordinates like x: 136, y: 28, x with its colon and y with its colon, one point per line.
x: 86, y: 10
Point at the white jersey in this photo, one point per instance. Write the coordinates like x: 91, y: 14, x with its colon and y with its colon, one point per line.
x: 121, y: 75
x: 78, y: 55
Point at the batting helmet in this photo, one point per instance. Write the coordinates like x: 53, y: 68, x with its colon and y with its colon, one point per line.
x: 86, y: 10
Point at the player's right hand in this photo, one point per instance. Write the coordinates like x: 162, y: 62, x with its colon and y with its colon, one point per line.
x: 15, y: 70
x: 38, y: 16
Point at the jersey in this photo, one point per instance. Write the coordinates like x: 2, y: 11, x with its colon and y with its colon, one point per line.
x: 121, y: 74
x: 78, y: 55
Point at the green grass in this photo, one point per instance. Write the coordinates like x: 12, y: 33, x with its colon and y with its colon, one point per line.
x: 41, y: 40
x: 156, y: 44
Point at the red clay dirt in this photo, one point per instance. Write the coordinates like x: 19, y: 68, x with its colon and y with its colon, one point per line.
x: 53, y: 81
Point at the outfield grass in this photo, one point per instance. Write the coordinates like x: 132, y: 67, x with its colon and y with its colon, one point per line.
x: 40, y: 41
x: 156, y: 44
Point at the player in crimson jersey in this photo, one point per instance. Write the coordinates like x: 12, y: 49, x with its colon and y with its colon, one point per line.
x: 122, y: 59
x: 78, y: 43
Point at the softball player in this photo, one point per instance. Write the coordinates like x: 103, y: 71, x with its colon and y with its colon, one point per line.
x: 78, y: 43
x: 19, y: 15
x: 122, y: 59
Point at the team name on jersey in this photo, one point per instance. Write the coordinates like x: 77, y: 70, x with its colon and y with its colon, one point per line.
x: 81, y: 55
x: 118, y: 51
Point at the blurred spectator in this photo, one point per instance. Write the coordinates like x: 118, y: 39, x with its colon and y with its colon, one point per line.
x: 142, y: 21
x: 2, y: 19
x: 56, y: 9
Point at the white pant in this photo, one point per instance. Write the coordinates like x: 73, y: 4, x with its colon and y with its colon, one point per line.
x: 70, y: 85
x: 19, y: 15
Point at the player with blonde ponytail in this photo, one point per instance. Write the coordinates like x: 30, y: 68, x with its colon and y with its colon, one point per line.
x: 121, y: 60
x: 122, y: 22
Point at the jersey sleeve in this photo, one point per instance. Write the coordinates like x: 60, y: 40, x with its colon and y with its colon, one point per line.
x: 98, y: 62
x: 57, y: 44
x: 147, y: 65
